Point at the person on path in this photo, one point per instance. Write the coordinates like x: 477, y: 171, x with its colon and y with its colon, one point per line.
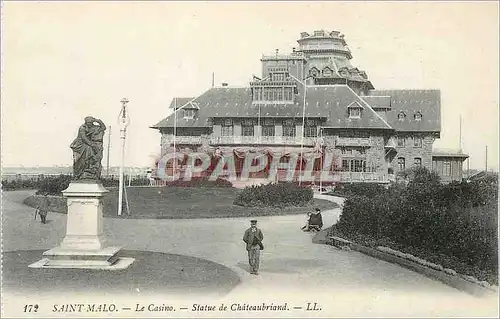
x: 43, y: 208
x: 253, y: 238
x: 316, y: 220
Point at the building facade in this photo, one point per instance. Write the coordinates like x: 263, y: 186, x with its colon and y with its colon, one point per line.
x: 311, y: 101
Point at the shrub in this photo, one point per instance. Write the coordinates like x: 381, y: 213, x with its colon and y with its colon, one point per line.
x: 457, y: 220
x: 54, y: 185
x: 201, y: 182
x: 361, y: 189
x: 275, y: 195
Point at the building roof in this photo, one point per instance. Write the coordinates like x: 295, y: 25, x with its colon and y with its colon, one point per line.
x: 181, y: 101
x: 378, y: 102
x: 443, y: 152
x: 427, y: 102
x: 325, y: 101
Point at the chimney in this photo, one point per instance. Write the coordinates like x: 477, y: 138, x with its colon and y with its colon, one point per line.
x: 224, y: 84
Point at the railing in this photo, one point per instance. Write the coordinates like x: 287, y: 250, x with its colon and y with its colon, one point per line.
x: 362, y: 177
x: 266, y: 140
x: 187, y: 139
x: 352, y: 141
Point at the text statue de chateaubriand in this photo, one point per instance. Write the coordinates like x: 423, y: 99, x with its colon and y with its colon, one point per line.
x: 88, y: 150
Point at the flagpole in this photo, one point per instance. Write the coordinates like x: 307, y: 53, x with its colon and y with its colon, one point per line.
x: 303, y: 133
x: 174, y: 162
x: 109, y: 145
x: 321, y: 161
x: 123, y: 121
x: 460, y: 135
x: 303, y: 82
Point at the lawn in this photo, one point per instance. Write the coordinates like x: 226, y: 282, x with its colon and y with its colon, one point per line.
x: 185, y: 203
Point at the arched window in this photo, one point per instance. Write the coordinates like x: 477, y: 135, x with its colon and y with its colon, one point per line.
x: 418, y: 116
x: 401, y: 116
x: 417, y: 162
x: 401, y: 163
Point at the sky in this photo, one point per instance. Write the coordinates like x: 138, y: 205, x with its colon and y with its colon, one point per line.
x: 62, y: 61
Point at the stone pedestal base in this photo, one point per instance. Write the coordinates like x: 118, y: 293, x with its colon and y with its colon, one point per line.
x: 84, y: 245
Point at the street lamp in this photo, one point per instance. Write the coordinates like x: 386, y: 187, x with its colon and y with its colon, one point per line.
x: 123, y: 121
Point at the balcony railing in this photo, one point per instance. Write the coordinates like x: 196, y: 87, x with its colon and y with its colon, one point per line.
x: 362, y: 177
x: 352, y: 141
x: 264, y: 140
x: 187, y: 139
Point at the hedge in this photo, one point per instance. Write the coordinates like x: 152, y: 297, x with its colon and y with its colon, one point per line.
x: 458, y: 219
x: 274, y: 195
x: 200, y: 182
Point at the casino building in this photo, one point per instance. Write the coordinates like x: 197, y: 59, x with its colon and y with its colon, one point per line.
x: 311, y: 102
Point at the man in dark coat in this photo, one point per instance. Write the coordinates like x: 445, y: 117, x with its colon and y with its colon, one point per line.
x: 253, y: 238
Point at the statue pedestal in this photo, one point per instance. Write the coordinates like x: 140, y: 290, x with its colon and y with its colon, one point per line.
x: 84, y: 245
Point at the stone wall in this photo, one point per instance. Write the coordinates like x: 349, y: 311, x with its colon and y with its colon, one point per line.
x: 409, y: 152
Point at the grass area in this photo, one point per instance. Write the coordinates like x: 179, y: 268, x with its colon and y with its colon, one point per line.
x: 441, y: 259
x: 152, y: 272
x: 183, y: 202
x: 186, y: 203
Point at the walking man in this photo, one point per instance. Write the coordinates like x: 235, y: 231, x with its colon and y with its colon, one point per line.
x: 42, y: 209
x: 253, y: 238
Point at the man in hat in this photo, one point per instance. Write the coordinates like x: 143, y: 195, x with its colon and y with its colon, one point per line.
x: 253, y: 238
x: 42, y: 208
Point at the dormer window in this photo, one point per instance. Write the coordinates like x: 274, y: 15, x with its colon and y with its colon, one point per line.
x: 354, y: 110
x: 401, y: 116
x: 327, y: 71
x: 314, y: 72
x: 188, y: 113
x: 418, y: 116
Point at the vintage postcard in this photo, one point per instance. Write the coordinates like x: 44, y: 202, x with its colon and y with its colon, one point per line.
x: 249, y: 159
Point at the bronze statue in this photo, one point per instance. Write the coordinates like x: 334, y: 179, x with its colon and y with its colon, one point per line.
x: 87, y: 150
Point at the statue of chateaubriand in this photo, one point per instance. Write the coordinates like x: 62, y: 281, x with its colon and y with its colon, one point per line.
x: 88, y: 150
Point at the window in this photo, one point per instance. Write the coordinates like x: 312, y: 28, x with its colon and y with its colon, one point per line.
x: 354, y: 165
x: 401, y: 142
x: 346, y: 151
x: 227, y: 128
x: 401, y: 116
x: 189, y: 113
x: 268, y: 130
x: 417, y: 142
x: 327, y: 71
x: 417, y: 162
x: 345, y: 165
x: 310, y: 131
x: 280, y: 95
x: 401, y: 163
x: 418, y: 116
x: 247, y: 130
x: 354, y: 112
x: 446, y: 168
x: 268, y: 121
x: 358, y: 165
x: 314, y: 72
x: 289, y: 130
